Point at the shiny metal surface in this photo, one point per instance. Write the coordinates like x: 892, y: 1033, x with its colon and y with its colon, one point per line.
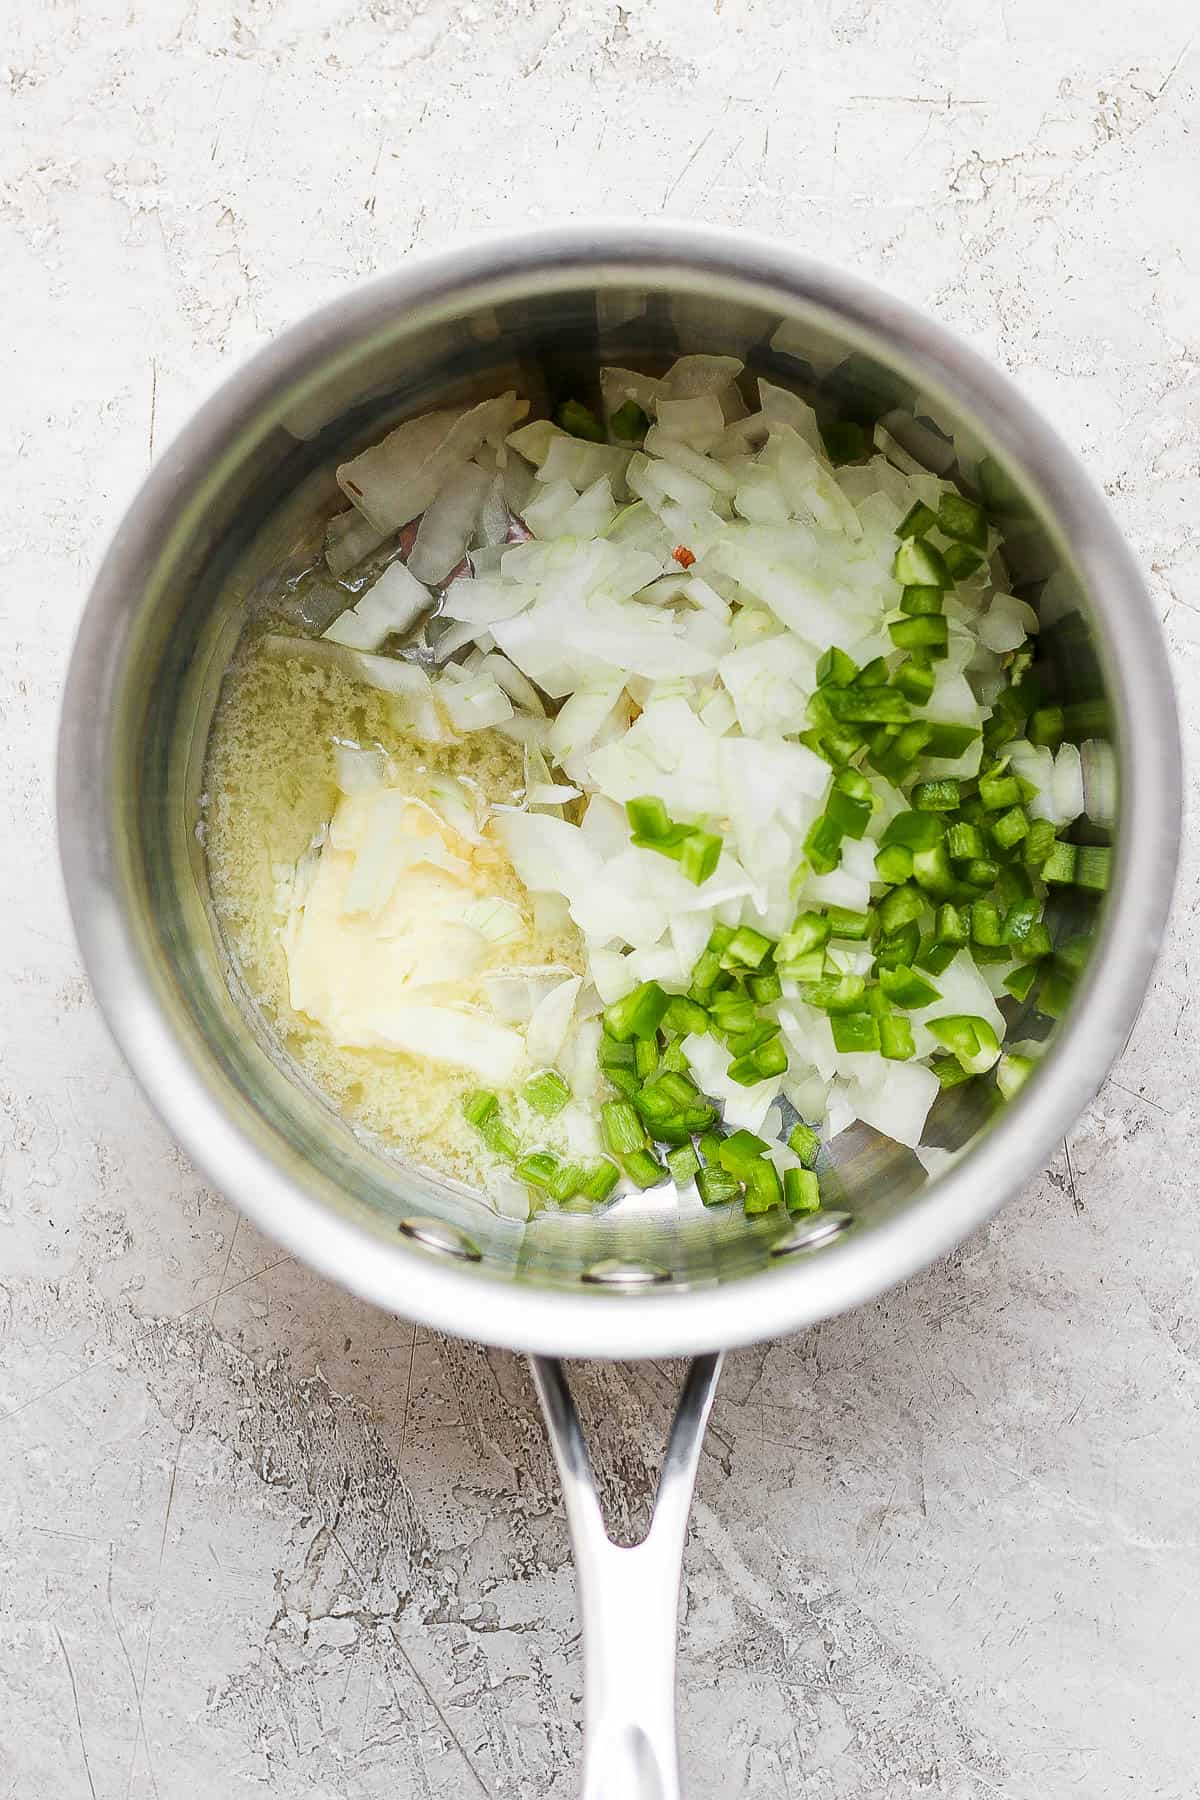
x: 435, y: 1234
x: 812, y: 1233
x: 628, y: 1595
x: 238, y: 502
x: 615, y: 1273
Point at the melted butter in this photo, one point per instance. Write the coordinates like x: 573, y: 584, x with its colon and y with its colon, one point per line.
x: 379, y: 943
x: 350, y: 949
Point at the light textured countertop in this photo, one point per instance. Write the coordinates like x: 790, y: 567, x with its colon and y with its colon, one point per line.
x: 259, y: 1540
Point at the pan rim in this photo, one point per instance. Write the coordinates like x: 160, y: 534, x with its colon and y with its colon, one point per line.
x: 663, y: 1319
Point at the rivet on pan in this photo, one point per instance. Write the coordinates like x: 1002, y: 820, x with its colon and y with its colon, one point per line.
x: 821, y: 1229
x: 435, y: 1234
x: 615, y: 1273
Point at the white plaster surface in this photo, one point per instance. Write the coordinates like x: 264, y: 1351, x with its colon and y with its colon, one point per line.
x: 259, y: 1540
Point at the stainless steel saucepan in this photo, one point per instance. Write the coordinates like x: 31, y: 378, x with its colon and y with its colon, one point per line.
x: 237, y: 502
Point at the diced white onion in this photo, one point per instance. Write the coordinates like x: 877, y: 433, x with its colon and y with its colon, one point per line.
x: 449, y: 523
x: 348, y: 538
x: 897, y: 1102
x: 551, y: 1022
x: 929, y: 449
x: 695, y: 375
x: 392, y: 605
x: 496, y: 919
x: 397, y: 479
x: 474, y: 704
x: 1068, y: 784
x: 359, y: 770
x: 518, y: 687
x: 698, y: 420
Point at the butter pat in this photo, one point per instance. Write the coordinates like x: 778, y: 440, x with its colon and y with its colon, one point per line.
x: 378, y: 940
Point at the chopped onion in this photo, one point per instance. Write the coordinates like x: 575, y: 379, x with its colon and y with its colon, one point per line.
x: 581, y: 463
x: 760, y: 499
x: 518, y: 687
x: 474, y: 704
x: 547, y: 515
x: 496, y: 919
x: 551, y: 1022
x: 485, y: 600
x: 348, y: 538
x: 459, y: 803
x: 612, y: 974
x: 533, y: 441
x: 392, y: 605
x: 795, y: 594
x: 781, y: 407
x: 700, y: 419
x: 495, y: 517
x: 510, y: 1198
x: 690, y: 377
x: 449, y: 523
x: 359, y: 770
x: 397, y: 479
x: 515, y: 993
x: 1006, y: 623
x: 619, y: 385
x: 581, y: 717
x: 1034, y: 764
x: 897, y: 1102
x: 929, y: 450
x: 715, y: 475
x: 592, y: 513
x: 657, y: 482
x: 1067, y: 786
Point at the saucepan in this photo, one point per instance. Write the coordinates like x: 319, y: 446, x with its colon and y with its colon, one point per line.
x: 237, y: 503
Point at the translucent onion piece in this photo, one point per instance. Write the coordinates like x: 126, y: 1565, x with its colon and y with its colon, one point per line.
x: 1067, y: 786
x: 358, y: 770
x: 898, y: 1102
x: 515, y: 992
x: 496, y: 919
x: 781, y: 407
x: 392, y: 606
x: 474, y: 704
x: 619, y: 385
x: 692, y: 376
x: 928, y: 449
x: 582, y: 463
x: 518, y: 687
x: 1006, y: 623
x: 699, y: 419
x: 495, y: 517
x: 485, y: 600
x: 448, y: 524
x: 551, y: 1021
x: 348, y: 538
x: 703, y: 468
x: 397, y: 479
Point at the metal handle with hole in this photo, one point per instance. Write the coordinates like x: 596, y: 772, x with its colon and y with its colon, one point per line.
x: 629, y: 1597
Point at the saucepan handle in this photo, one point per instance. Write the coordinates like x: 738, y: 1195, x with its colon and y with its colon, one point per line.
x: 629, y: 1597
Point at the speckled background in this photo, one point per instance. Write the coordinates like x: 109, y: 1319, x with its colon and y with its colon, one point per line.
x: 258, y: 1540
